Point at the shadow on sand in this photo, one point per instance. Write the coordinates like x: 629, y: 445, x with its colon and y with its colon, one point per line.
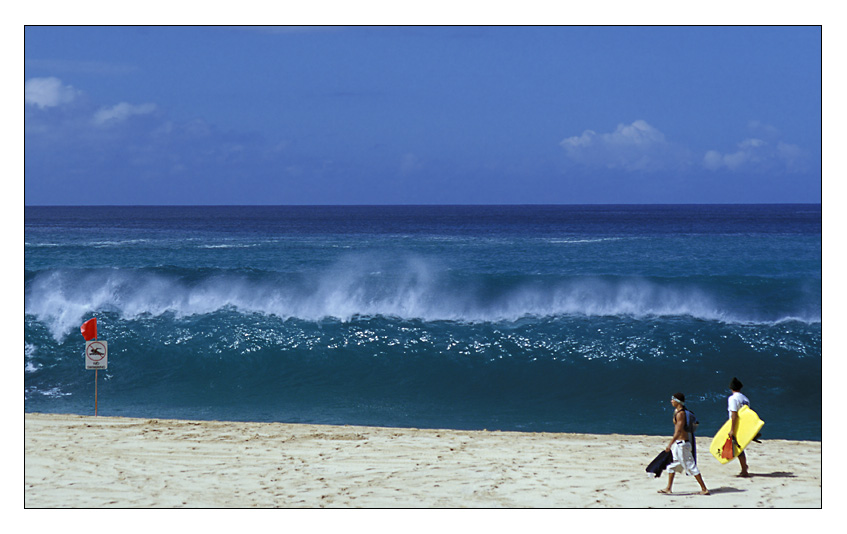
x: 715, y: 491
x: 775, y: 474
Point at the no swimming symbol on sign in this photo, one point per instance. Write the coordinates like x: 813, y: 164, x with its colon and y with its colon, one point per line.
x: 96, y: 354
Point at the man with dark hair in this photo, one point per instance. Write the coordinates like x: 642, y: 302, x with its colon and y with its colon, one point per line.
x: 734, y: 403
x: 680, y: 447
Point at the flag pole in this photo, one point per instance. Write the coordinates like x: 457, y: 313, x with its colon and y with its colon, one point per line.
x: 95, y: 387
x: 86, y: 330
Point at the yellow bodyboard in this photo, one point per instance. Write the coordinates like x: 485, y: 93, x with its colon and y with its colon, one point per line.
x: 749, y: 426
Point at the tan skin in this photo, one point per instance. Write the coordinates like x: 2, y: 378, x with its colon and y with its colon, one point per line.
x: 679, y: 433
x: 742, y: 458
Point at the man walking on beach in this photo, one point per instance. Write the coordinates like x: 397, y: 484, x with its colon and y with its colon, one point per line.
x: 680, y: 448
x: 734, y: 403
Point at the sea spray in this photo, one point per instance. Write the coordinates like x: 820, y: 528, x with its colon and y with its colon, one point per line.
x: 61, y: 298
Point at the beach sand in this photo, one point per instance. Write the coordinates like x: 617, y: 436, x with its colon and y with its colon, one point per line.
x: 94, y: 462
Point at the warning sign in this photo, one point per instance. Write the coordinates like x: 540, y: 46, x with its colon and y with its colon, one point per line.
x: 96, y: 353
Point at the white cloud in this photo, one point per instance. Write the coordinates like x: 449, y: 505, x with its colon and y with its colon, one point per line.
x: 48, y: 92
x: 764, y: 130
x: 631, y: 147
x: 755, y: 154
x: 763, y: 151
x: 792, y: 155
x: 749, y: 151
x: 121, y: 112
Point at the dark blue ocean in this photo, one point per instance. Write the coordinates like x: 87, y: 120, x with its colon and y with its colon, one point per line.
x: 531, y: 318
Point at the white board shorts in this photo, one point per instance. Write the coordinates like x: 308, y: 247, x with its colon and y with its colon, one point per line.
x: 683, y: 460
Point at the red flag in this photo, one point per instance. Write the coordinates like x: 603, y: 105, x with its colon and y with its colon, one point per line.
x: 89, y: 329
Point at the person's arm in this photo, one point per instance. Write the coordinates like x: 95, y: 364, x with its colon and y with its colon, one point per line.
x: 678, y: 430
x: 734, y: 425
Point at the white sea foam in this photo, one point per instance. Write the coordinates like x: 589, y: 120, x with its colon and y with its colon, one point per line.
x: 229, y: 245
x: 408, y: 288
x: 51, y: 392
x: 29, y: 352
x: 578, y: 241
x: 117, y: 243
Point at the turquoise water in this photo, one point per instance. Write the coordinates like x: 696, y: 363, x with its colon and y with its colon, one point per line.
x: 537, y: 318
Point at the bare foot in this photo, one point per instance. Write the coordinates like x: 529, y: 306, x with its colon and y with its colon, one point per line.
x: 705, y: 492
x: 744, y: 474
x: 665, y: 491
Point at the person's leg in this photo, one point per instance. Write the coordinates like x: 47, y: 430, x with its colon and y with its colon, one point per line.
x: 703, y: 490
x: 742, y: 459
x: 670, y: 483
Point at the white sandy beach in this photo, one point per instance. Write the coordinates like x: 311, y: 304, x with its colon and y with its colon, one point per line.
x: 94, y: 462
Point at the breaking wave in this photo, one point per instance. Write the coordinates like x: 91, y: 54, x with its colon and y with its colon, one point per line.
x: 412, y: 289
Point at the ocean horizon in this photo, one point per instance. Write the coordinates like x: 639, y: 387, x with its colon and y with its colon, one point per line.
x: 553, y: 318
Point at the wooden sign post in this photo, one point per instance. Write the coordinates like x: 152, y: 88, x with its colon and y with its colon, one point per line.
x: 96, y: 357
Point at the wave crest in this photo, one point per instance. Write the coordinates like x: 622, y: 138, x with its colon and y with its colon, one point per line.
x: 410, y: 289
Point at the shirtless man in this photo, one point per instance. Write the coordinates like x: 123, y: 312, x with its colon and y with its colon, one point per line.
x: 680, y: 448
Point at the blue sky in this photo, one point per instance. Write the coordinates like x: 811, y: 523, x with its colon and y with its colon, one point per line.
x: 421, y: 115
